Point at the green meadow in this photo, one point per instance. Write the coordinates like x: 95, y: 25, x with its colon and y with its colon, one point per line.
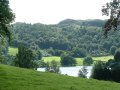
x: 79, y: 60
x: 14, y: 51
x: 14, y: 78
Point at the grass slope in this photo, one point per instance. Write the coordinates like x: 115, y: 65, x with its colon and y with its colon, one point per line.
x: 13, y: 78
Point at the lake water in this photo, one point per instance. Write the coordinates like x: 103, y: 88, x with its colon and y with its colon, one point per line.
x: 71, y: 71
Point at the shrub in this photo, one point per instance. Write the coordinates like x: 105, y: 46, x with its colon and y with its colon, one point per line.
x: 117, y: 55
x: 87, y: 61
x: 67, y: 60
x: 52, y: 67
x: 101, y: 71
x: 83, y: 72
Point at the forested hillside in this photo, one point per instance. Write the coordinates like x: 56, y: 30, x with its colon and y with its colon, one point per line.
x: 79, y: 37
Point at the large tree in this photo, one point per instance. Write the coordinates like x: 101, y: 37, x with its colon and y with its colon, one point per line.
x: 24, y: 58
x: 6, y: 17
x: 111, y: 9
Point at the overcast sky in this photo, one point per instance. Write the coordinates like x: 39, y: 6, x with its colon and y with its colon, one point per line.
x: 53, y: 11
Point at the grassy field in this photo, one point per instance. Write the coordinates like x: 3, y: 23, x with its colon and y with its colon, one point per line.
x: 79, y: 60
x: 13, y: 78
x: 13, y: 51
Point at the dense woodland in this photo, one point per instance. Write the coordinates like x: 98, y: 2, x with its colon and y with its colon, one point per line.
x: 78, y: 37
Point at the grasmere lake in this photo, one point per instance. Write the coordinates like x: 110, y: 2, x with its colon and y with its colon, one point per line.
x: 71, y: 71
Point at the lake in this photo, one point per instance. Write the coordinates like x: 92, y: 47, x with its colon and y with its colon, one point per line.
x: 71, y: 71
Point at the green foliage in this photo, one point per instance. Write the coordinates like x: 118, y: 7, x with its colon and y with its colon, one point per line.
x: 115, y: 72
x: 111, y: 9
x: 52, y: 67
x: 13, y: 78
x: 67, y: 60
x: 37, y: 55
x: 6, y: 17
x: 88, y: 60
x: 113, y: 49
x: 83, y: 72
x: 117, y: 55
x: 24, y: 58
x: 101, y: 71
x: 81, y: 37
x: 107, y: 71
x: 79, y: 52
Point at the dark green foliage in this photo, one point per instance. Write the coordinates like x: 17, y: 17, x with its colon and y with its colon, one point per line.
x: 55, y: 52
x: 67, y: 60
x: 109, y: 70
x: 6, y: 17
x: 88, y: 60
x: 41, y: 63
x: 117, y: 55
x: 79, y: 39
x: 24, y: 58
x: 113, y: 49
x: 111, y: 9
x: 37, y: 55
x: 52, y: 67
x: 79, y: 52
x: 115, y: 73
x: 83, y: 72
x: 101, y: 71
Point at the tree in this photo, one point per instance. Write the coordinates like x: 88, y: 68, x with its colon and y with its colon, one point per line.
x: 24, y: 58
x: 52, y: 67
x: 101, y: 71
x: 6, y: 17
x: 113, y: 49
x: 79, y: 52
x: 111, y: 9
x: 88, y: 60
x: 83, y: 72
x: 67, y: 60
x: 117, y: 55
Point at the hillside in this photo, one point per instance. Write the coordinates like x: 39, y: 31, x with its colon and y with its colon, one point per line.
x: 13, y: 78
x: 68, y: 35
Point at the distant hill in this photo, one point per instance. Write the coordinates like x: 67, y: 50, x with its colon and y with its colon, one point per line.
x: 91, y: 22
x: 68, y: 35
x: 14, y: 78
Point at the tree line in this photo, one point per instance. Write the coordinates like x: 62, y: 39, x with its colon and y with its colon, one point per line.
x: 79, y: 38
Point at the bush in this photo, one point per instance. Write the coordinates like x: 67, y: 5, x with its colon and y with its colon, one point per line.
x: 24, y: 58
x: 113, y: 49
x: 83, y: 72
x: 115, y: 73
x: 79, y: 52
x: 67, y: 60
x: 101, y: 71
x: 117, y: 55
x: 88, y: 61
x: 52, y: 67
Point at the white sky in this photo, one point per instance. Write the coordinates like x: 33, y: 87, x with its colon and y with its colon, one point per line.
x: 53, y: 11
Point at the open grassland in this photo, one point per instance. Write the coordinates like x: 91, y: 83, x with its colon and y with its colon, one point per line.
x: 79, y: 60
x: 103, y: 58
x: 12, y: 51
x: 13, y: 78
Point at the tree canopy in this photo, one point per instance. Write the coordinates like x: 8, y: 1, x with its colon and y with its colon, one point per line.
x: 6, y: 17
x: 111, y: 9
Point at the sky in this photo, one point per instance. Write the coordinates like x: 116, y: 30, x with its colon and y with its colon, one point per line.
x: 54, y: 11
